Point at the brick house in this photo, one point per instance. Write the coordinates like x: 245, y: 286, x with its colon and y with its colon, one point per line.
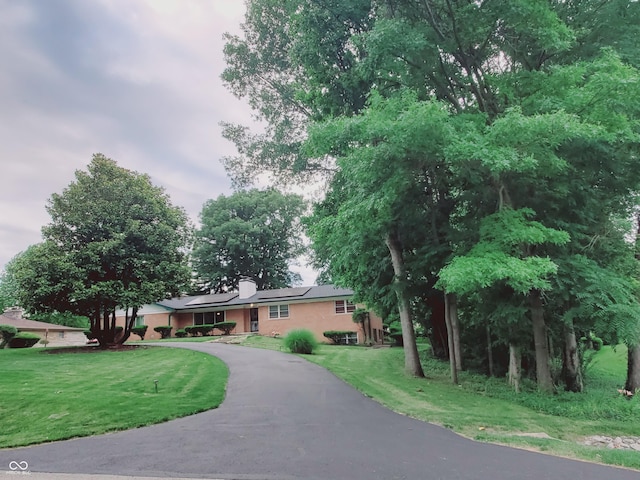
x: 265, y: 312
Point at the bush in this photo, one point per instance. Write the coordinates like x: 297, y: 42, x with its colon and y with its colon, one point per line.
x: 597, y: 343
x: 195, y: 330
x: 7, y: 332
x: 181, y: 333
x: 163, y: 330
x: 89, y: 334
x: 395, y: 332
x: 336, y: 336
x: 225, y: 327
x: 24, y: 340
x: 300, y: 341
x: 140, y: 330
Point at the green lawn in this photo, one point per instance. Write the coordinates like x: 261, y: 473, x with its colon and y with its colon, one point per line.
x: 487, y: 409
x: 45, y: 397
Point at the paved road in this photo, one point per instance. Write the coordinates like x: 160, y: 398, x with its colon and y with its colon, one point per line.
x: 284, y: 418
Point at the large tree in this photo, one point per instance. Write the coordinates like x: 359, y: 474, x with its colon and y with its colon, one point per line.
x: 542, y: 98
x: 253, y: 233
x: 114, y: 241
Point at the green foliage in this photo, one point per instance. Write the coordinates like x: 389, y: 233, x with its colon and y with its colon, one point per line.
x: 485, y: 113
x: 7, y: 332
x: 181, y: 333
x: 360, y: 315
x: 163, y: 330
x: 140, y: 330
x: 300, y: 341
x: 225, y: 327
x: 336, y: 336
x: 23, y: 340
x: 62, y: 318
x: 236, y: 232
x: 395, y: 332
x: 202, y: 330
x: 114, y: 241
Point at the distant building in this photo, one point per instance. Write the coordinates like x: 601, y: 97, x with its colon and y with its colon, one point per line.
x: 57, y: 335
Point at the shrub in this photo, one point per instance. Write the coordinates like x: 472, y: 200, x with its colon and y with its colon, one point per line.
x: 180, y: 333
x: 300, y: 341
x: 395, y: 332
x: 140, y: 330
x: 163, y: 330
x: 597, y: 343
x: 89, y: 334
x: 225, y: 327
x: 24, y: 340
x: 336, y: 336
x: 195, y: 330
x: 7, y: 332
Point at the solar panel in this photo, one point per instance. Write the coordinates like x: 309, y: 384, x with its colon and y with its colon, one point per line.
x: 283, y: 293
x: 214, y: 298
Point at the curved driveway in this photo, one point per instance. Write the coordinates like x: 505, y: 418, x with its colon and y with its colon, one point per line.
x: 285, y: 418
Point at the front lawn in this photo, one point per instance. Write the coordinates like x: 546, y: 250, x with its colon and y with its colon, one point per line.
x: 45, y: 396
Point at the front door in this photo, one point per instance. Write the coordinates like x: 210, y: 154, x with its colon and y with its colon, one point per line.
x: 253, y: 316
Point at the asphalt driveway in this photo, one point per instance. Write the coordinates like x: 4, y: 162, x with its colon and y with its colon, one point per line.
x: 285, y: 418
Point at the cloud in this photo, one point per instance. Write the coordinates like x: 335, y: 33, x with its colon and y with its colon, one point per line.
x: 136, y: 80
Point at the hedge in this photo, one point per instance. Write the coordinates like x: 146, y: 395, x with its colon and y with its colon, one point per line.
x: 163, y: 330
x: 7, y: 332
x: 195, y: 330
x: 140, y: 330
x: 24, y: 340
x: 225, y: 327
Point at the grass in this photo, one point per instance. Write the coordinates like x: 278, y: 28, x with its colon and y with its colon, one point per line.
x: 46, y: 397
x: 486, y: 409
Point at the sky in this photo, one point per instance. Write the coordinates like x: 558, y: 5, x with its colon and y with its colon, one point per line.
x: 136, y: 80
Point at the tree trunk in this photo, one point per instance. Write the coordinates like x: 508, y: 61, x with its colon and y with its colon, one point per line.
x: 543, y: 368
x: 411, y: 358
x: 514, y: 367
x: 633, y: 369
x: 128, y: 324
x: 450, y: 299
x: 438, y: 330
x: 571, y: 370
x: 450, y: 341
x: 490, y: 352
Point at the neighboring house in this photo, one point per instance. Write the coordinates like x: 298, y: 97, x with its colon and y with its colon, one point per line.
x: 266, y: 312
x: 57, y: 335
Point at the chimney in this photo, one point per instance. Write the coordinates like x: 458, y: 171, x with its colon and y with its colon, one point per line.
x: 247, y: 288
x: 14, y: 312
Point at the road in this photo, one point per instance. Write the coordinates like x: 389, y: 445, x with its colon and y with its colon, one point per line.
x: 285, y: 418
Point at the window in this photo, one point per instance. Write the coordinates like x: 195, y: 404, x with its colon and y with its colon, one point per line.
x: 344, y: 306
x: 278, y: 311
x: 60, y: 334
x: 208, y: 318
x: 139, y: 321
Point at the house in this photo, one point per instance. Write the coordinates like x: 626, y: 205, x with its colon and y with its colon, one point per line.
x: 265, y: 312
x: 56, y: 335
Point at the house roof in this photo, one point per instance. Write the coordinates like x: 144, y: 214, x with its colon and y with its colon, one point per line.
x: 295, y: 294
x: 25, y: 324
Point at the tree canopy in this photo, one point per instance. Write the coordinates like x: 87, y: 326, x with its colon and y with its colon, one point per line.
x: 490, y: 147
x: 114, y: 241
x: 252, y: 233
